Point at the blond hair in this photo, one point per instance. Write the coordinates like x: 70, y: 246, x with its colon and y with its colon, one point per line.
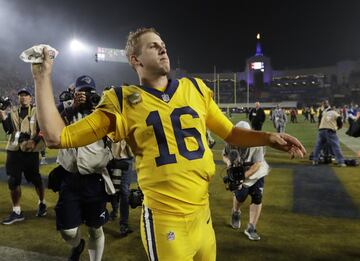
x: 132, y: 44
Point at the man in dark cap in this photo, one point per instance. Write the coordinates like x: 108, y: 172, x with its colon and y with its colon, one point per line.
x: 84, y: 99
x: 22, y: 149
x: 85, y: 181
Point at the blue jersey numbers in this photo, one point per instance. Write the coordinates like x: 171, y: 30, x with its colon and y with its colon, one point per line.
x: 180, y: 134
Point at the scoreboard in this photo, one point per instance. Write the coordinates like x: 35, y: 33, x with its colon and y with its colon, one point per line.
x: 110, y: 55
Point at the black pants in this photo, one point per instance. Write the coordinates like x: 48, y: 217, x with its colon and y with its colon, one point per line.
x: 82, y: 199
x: 256, y: 126
x: 18, y: 162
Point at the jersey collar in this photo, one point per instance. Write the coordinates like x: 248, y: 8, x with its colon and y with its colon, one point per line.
x: 167, y: 94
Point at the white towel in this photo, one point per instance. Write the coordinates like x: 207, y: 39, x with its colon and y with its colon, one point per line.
x: 35, y: 54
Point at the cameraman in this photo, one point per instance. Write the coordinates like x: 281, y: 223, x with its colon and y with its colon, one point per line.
x: 85, y: 183
x: 22, y: 152
x: 331, y: 121
x: 121, y: 178
x: 253, y: 184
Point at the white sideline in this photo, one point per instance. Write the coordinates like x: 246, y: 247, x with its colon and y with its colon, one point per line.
x: 9, y: 253
x: 350, y: 142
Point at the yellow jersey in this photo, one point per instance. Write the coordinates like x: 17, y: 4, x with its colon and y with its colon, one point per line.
x: 166, y: 130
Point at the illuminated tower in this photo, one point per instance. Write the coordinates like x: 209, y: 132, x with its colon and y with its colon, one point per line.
x: 258, y: 69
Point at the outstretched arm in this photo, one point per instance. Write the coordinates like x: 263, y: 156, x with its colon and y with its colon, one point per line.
x: 241, y: 137
x: 280, y: 141
x: 49, y: 118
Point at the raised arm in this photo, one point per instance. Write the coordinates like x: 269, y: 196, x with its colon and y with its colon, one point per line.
x: 49, y: 118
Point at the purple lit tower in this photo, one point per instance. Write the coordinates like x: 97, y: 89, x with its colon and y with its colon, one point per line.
x: 258, y: 70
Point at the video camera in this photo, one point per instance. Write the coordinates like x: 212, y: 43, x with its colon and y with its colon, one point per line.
x: 66, y: 96
x: 5, y: 102
x: 23, y: 137
x: 235, y: 174
x: 136, y: 198
x: 92, y: 99
x: 118, y: 164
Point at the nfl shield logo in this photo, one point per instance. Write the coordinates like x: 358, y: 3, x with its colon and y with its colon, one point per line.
x: 165, y: 97
x: 171, y: 236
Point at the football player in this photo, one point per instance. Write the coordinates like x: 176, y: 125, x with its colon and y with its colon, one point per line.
x: 164, y: 121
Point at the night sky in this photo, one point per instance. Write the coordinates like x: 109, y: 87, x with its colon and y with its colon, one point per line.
x: 198, y: 34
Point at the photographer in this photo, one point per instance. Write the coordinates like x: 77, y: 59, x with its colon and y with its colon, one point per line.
x: 331, y: 121
x: 121, y: 179
x: 22, y: 152
x: 84, y: 180
x: 252, y: 185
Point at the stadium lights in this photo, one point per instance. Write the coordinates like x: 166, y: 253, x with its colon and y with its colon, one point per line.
x: 77, y: 46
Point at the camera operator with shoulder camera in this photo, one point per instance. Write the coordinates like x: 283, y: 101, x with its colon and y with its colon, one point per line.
x: 82, y: 179
x: 22, y: 151
x: 246, y: 170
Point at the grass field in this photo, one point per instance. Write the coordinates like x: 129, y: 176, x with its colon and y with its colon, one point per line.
x: 285, y: 235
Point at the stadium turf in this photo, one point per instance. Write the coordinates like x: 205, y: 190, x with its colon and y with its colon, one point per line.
x: 286, y: 232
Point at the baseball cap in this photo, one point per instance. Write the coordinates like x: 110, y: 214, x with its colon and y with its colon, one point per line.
x: 243, y: 124
x: 84, y: 82
x: 24, y: 90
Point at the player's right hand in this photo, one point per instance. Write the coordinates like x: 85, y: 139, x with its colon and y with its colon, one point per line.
x: 44, y: 69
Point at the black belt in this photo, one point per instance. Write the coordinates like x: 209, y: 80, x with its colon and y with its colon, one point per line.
x: 329, y: 130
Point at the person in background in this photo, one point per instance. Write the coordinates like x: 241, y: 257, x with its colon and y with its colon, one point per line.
x: 22, y: 152
x: 43, y: 157
x: 354, y: 129
x: 121, y: 151
x: 279, y: 119
x: 293, y: 114
x: 257, y: 117
x: 312, y: 115
x: 331, y: 121
x: 85, y: 181
x: 252, y: 186
x: 210, y: 140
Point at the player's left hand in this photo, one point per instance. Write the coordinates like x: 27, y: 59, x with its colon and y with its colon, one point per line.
x: 287, y: 143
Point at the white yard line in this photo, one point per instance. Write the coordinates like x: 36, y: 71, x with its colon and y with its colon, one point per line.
x: 9, y: 253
